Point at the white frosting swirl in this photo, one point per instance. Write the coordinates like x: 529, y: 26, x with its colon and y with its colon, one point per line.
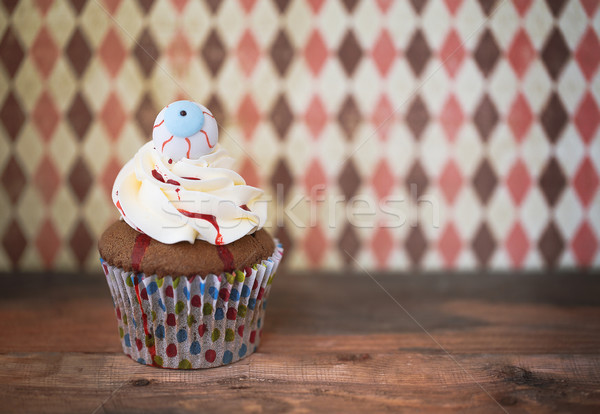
x: 187, y: 200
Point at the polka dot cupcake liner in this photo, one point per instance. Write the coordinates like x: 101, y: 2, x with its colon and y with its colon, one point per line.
x: 191, y: 322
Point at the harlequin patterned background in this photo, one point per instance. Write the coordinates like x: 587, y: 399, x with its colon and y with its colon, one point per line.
x: 490, y: 108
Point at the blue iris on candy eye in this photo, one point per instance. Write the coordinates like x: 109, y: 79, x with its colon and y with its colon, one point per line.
x: 184, y: 118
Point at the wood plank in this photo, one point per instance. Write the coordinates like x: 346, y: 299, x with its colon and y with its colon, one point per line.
x: 77, y: 382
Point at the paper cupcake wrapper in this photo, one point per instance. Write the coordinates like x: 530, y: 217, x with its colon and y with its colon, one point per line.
x: 191, y: 322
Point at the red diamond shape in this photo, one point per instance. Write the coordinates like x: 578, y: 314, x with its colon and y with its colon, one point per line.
x: 315, y: 246
x: 248, y: 5
x: 248, y: 116
x: 111, y: 5
x: 452, y: 53
x: 450, y: 181
x: 382, y: 245
x: 48, y: 243
x: 316, y: 116
x: 453, y: 5
x: 315, y: 179
x: 522, y: 6
x: 384, y: 52
x: 587, y: 117
x: 44, y: 52
x: 316, y: 5
x: 451, y: 117
x: 588, y: 54
x: 112, y: 52
x: 179, y: 5
x: 248, y: 52
x: 180, y: 52
x: 383, y: 179
x: 107, y: 179
x: 584, y: 245
x: 586, y: 181
x: 44, y: 5
x: 449, y: 245
x: 45, y: 116
x: 383, y: 117
x: 517, y: 245
x: 113, y: 116
x: 384, y: 5
x: 520, y: 117
x: 589, y: 6
x: 315, y: 52
x: 518, y: 181
x: 249, y: 173
x: 521, y: 53
x: 47, y: 179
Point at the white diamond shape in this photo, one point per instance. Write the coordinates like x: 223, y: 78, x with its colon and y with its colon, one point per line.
x: 573, y: 23
x: 571, y: 86
x: 538, y: 23
x: 570, y: 150
x: 534, y: 213
x: 568, y: 213
x: 501, y: 213
x: 537, y: 86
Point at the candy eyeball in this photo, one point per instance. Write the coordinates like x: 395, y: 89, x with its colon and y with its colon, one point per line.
x: 185, y: 129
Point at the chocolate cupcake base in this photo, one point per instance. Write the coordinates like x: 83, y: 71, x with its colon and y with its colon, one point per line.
x: 191, y: 322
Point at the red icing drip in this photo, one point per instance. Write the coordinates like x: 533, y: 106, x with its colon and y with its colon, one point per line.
x: 191, y: 178
x: 151, y: 349
x: 207, y: 141
x: 189, y: 147
x: 160, y: 178
x: 177, y: 191
x: 244, y: 207
x: 208, y: 217
x: 226, y: 257
x: 159, y: 124
x: 165, y: 143
x: 120, y: 208
x: 142, y: 241
x: 170, y: 161
x: 206, y: 113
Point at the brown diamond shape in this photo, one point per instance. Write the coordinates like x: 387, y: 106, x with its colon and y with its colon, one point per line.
x: 213, y: 52
x: 485, y: 117
x: 483, y: 244
x: 213, y: 5
x: 554, y: 117
x: 80, y: 179
x: 11, y: 52
x: 79, y: 116
x: 14, y: 242
x: 281, y: 116
x: 13, y: 179
x: 215, y: 106
x: 145, y: 5
x: 417, y: 117
x: 78, y: 52
x: 555, y: 53
x: 416, y: 180
x: 556, y: 6
x: 145, y: 114
x: 349, y: 53
x: 487, y: 6
x: 282, y: 52
x: 282, y: 179
x: 551, y: 244
x: 485, y: 181
x: 418, y: 5
x: 418, y: 52
x: 349, y: 180
x: 350, y: 5
x: 282, y: 5
x: 415, y: 245
x: 349, y: 116
x: 81, y: 242
x: 146, y: 52
x: 9, y: 5
x: 487, y: 53
x: 348, y: 244
x: 552, y: 181
x: 12, y: 116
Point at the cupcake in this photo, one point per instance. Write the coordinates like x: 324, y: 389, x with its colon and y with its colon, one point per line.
x: 188, y: 265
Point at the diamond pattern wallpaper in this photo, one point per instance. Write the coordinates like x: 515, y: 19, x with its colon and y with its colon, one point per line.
x: 452, y: 134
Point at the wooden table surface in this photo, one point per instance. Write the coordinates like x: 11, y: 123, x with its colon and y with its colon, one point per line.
x: 443, y: 342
